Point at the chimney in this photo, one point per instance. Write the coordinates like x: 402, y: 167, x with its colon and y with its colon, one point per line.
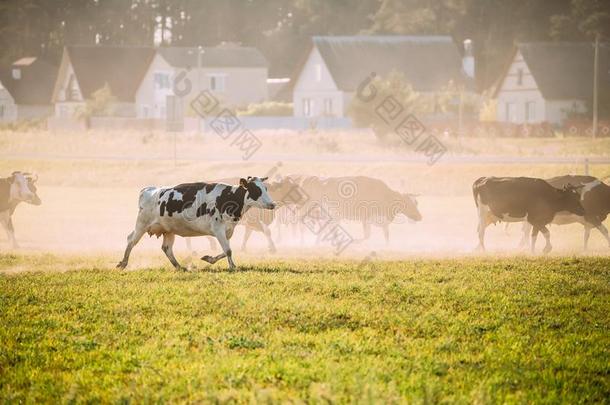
x: 468, y: 59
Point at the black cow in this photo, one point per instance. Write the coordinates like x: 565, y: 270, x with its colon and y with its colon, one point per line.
x: 595, y: 199
x: 515, y: 199
x: 20, y: 187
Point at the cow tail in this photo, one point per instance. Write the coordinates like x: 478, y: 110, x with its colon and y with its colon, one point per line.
x: 475, y: 190
x: 142, y: 197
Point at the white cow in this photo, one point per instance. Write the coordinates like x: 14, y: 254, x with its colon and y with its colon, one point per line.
x: 196, y: 209
x: 20, y: 187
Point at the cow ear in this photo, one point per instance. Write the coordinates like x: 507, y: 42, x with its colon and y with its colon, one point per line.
x: 243, y: 183
x: 264, y: 178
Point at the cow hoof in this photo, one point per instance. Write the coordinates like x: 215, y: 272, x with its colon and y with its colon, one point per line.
x: 182, y: 269
x: 273, y: 251
x: 546, y: 250
x: 208, y: 259
x: 121, y: 266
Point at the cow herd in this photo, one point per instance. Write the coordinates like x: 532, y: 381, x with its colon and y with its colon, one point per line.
x: 216, y: 208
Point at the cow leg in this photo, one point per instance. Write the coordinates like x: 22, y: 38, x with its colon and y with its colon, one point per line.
x: 247, y: 234
x: 525, y: 230
x: 11, y: 231
x: 267, y: 233
x: 386, y: 233
x: 132, y: 240
x: 221, y: 234
x: 7, y: 224
x: 167, y: 248
x: 535, y: 231
x: 366, y: 229
x: 604, y: 231
x: 212, y: 243
x: 481, y: 230
x: 547, y: 237
x: 586, y: 236
x: 189, y: 245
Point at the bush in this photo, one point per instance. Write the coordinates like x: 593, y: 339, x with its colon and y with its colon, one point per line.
x: 25, y: 125
x: 268, y: 109
x: 364, y: 112
x: 99, y: 105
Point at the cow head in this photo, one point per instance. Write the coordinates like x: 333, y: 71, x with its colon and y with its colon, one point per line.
x: 286, y: 192
x: 23, y: 188
x: 257, y: 195
x: 570, y: 200
x: 409, y: 207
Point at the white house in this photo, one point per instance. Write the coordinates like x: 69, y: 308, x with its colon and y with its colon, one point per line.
x: 236, y: 75
x: 25, y: 89
x: 142, y: 79
x: 8, y: 110
x: 336, y: 65
x: 86, y: 69
x: 546, y: 82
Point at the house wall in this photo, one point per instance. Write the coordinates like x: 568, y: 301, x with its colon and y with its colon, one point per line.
x: 315, y: 85
x: 8, y: 109
x: 28, y: 112
x: 150, y: 99
x: 66, y: 109
x: 61, y: 87
x: 243, y: 86
x: 513, y: 97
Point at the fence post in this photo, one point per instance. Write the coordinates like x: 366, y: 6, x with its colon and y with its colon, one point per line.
x: 586, y: 166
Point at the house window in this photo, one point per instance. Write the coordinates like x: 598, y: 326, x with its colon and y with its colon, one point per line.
x: 530, y: 111
x: 217, y: 82
x: 328, y: 106
x: 16, y: 74
x: 161, y: 80
x: 307, y: 107
x: 64, y: 111
x: 511, y: 115
x: 72, y: 89
x: 318, y: 72
x: 520, y: 77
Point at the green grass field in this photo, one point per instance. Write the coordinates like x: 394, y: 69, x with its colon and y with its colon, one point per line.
x: 474, y: 330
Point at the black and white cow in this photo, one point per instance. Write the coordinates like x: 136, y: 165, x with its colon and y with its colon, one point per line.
x: 20, y: 187
x: 257, y: 220
x: 196, y: 209
x: 595, y: 199
x: 516, y: 199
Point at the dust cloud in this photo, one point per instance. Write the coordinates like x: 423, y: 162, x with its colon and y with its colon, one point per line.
x: 89, y: 184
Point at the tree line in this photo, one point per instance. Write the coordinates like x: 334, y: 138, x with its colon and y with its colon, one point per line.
x: 282, y: 29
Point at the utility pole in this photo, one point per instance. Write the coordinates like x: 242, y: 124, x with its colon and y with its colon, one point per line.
x: 595, y: 83
x: 199, y: 90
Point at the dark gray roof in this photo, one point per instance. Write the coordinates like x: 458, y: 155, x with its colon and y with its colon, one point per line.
x: 35, y: 87
x: 565, y: 70
x: 427, y: 62
x: 220, y: 56
x: 122, y: 68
